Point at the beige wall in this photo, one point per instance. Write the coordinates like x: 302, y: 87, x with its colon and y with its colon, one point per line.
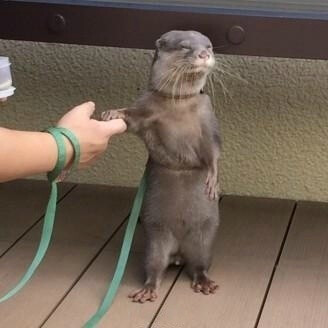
x: 274, y: 128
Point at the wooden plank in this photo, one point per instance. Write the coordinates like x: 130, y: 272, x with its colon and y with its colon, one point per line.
x: 22, y: 203
x: 298, y: 297
x: 245, y: 252
x: 86, y: 218
x: 85, y: 298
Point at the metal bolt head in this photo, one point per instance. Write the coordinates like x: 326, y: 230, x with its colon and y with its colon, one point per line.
x: 56, y: 23
x: 236, y: 34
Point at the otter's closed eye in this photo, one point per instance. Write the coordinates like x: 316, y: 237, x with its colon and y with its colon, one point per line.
x: 185, y: 46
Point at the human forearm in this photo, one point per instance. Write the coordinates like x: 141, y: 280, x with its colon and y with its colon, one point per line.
x: 25, y: 153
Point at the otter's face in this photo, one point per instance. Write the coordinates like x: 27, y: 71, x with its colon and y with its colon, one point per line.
x: 182, y: 56
x: 189, y: 48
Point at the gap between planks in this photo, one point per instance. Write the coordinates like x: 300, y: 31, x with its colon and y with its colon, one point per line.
x: 245, y: 219
x: 30, y: 204
x: 80, y: 231
x: 98, y: 266
x: 247, y: 246
x: 298, y: 297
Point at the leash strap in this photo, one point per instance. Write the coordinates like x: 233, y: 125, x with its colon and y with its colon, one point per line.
x: 121, y: 264
x: 49, y: 217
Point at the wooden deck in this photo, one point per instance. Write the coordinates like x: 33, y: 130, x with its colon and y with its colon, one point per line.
x: 271, y: 262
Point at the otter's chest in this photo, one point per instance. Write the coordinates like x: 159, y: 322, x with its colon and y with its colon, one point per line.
x: 181, y: 125
x: 179, y: 128
x: 174, y: 139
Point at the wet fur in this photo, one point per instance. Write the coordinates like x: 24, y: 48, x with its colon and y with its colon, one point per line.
x: 180, y: 211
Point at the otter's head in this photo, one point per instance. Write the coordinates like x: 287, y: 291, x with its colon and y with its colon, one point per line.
x: 181, y: 63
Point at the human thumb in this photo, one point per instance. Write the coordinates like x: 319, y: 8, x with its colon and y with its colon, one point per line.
x: 112, y: 127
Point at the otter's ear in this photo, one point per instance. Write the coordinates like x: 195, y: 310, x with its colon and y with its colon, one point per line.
x: 160, y: 43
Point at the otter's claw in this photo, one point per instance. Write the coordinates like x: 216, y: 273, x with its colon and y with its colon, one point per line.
x: 112, y: 114
x: 205, y: 286
x: 212, y: 187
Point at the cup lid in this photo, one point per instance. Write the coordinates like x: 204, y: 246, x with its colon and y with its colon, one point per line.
x: 7, y: 92
x: 4, y: 60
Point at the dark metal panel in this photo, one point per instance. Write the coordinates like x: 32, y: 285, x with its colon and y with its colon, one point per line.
x: 136, y: 28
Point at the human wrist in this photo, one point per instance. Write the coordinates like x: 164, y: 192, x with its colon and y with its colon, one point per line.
x: 68, y: 147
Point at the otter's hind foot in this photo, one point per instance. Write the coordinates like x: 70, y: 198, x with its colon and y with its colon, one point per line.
x: 203, y: 284
x: 147, y: 293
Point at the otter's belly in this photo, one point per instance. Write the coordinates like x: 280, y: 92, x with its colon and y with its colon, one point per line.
x: 177, y: 199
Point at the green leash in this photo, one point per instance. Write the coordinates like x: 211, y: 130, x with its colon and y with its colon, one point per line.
x: 58, y: 133
x: 121, y: 264
x: 51, y: 207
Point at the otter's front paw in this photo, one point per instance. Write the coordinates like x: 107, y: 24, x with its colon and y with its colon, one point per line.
x: 212, y: 187
x: 112, y: 114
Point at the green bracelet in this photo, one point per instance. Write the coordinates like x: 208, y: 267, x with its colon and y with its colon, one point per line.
x: 75, y: 143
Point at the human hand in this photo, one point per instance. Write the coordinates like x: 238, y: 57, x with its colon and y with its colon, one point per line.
x: 93, y: 135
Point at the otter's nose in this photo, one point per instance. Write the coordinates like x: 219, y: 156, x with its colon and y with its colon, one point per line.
x: 204, y: 55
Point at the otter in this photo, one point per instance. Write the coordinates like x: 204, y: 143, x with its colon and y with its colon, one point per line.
x: 174, y: 118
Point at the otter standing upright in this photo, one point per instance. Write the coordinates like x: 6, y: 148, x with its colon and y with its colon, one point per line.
x: 175, y: 120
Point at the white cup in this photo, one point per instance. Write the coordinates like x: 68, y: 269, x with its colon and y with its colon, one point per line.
x: 6, y: 88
